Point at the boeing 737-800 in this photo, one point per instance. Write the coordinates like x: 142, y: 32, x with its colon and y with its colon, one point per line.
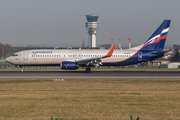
x: 73, y: 59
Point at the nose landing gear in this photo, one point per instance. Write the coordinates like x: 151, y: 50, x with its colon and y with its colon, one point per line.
x: 22, y: 70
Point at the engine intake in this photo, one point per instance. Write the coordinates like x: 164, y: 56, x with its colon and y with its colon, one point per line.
x: 69, y: 65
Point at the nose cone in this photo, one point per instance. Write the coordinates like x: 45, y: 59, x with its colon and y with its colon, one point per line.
x: 8, y: 60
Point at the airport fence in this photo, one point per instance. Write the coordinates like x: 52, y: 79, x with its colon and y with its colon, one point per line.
x: 5, y: 65
x: 10, y: 66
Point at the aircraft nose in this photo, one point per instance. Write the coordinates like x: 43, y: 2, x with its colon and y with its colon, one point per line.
x: 8, y: 59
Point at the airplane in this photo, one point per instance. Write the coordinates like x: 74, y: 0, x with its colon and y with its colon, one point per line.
x: 73, y: 59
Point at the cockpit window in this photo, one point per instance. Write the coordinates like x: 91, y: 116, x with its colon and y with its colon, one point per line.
x: 15, y: 54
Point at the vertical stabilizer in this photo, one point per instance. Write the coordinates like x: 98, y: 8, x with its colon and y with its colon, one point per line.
x: 157, y: 40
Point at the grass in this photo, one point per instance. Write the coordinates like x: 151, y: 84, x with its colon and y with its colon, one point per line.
x: 84, y: 99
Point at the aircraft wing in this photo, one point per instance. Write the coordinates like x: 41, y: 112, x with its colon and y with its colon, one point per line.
x: 96, y: 60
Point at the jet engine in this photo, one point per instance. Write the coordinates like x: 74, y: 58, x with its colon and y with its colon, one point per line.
x: 69, y: 65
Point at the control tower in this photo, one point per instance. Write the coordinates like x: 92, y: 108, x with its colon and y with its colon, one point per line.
x: 92, y: 26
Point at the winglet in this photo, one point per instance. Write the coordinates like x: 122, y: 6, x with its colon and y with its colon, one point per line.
x: 111, y: 51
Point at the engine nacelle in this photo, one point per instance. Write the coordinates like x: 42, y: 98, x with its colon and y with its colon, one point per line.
x: 69, y: 65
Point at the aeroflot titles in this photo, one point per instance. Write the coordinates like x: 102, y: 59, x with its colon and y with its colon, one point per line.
x: 35, y: 52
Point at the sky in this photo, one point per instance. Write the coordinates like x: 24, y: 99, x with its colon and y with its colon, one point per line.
x: 62, y: 22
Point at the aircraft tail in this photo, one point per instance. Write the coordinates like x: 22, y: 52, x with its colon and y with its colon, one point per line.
x: 157, y: 40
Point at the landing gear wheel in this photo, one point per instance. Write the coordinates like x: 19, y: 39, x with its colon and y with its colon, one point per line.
x: 88, y: 69
x: 22, y: 70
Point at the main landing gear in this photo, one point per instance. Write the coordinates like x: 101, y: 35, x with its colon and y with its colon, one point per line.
x: 88, y: 69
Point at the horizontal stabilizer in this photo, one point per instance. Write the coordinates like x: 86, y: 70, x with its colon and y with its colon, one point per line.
x: 161, y: 52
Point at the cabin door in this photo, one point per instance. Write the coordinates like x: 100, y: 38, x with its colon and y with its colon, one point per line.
x: 25, y: 55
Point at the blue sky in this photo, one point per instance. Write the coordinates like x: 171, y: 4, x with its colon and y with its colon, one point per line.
x: 25, y: 22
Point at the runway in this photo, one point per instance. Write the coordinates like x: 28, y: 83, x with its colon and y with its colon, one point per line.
x: 92, y: 74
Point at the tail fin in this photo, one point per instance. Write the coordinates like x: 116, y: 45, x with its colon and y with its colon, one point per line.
x: 158, y: 38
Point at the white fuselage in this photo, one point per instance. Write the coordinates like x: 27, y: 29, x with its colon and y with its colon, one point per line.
x: 56, y: 56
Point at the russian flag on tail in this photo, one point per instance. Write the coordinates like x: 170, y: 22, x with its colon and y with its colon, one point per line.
x: 157, y: 40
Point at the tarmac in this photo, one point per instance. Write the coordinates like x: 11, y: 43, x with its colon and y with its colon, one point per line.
x: 92, y: 74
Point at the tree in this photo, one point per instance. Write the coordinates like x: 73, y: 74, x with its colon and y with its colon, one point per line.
x: 5, y: 50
